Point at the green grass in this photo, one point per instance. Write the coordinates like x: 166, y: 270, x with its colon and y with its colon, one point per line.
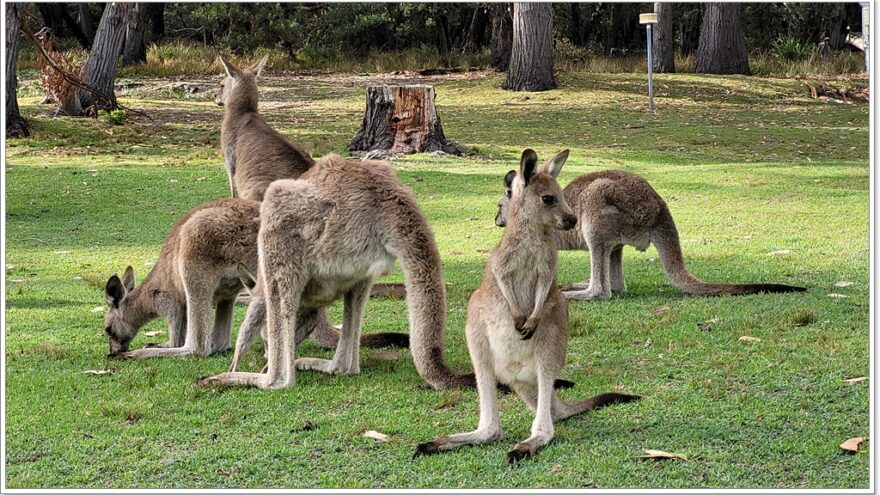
x: 748, y: 166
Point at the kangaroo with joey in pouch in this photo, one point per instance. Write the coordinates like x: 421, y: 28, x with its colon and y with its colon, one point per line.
x: 617, y: 208
x: 517, y: 320
x: 256, y: 155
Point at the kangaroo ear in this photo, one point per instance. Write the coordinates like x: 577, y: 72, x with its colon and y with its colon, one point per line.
x: 554, y: 165
x: 231, y: 70
x: 114, y: 291
x: 528, y: 165
x: 128, y: 279
x: 257, y: 68
x: 508, y: 179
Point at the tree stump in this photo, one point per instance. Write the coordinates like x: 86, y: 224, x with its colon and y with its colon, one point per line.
x: 401, y: 120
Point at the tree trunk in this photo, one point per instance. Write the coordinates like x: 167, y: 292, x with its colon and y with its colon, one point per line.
x: 614, y: 34
x: 476, y: 35
x: 134, y: 50
x: 87, y: 22
x: 502, y: 36
x: 575, y: 35
x: 664, y: 38
x: 441, y: 27
x: 690, y: 17
x: 401, y: 119
x: 100, y: 68
x: 156, y: 12
x: 531, y: 61
x: 722, y: 46
x: 56, y: 15
x: 16, y: 125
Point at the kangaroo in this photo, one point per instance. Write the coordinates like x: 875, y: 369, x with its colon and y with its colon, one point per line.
x: 256, y: 155
x: 617, y: 208
x: 205, y: 259
x: 517, y: 320
x: 328, y: 235
x: 200, y: 264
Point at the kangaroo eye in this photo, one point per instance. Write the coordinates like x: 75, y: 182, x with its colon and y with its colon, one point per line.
x: 549, y: 200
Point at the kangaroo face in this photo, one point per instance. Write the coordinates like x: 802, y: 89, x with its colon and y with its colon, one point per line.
x: 118, y: 329
x: 535, y: 195
x: 221, y: 96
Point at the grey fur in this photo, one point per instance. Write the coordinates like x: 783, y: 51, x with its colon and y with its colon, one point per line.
x: 517, y: 324
x: 617, y: 208
x: 327, y: 236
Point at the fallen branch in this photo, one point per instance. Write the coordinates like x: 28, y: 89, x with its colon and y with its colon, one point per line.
x: 78, y: 83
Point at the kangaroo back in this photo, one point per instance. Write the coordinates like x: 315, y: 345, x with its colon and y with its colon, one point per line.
x: 665, y: 237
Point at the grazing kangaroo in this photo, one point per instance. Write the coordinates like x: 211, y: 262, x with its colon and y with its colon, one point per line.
x: 617, y: 208
x: 328, y: 235
x: 257, y: 155
x: 202, y: 263
x: 517, y: 320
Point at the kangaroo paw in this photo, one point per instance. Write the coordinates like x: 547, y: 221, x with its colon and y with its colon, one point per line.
x: 517, y: 454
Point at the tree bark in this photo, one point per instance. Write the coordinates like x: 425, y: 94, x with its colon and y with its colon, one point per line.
x: 401, y: 119
x: 722, y: 46
x: 134, y: 50
x: 87, y: 22
x: 664, y: 38
x: 575, y: 35
x: 502, y: 36
x: 156, y: 12
x: 100, y: 68
x: 476, y: 35
x: 531, y: 60
x: 16, y: 125
x: 441, y: 27
x: 689, y: 17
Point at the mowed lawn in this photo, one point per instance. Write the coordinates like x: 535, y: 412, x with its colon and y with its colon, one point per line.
x: 765, y: 185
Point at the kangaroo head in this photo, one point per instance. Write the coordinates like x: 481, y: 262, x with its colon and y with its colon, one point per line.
x: 238, y: 89
x: 532, y: 195
x: 119, y: 329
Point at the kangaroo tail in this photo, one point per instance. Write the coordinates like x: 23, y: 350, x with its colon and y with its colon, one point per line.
x: 665, y: 238
x: 327, y: 336
x: 426, y: 301
x: 563, y: 409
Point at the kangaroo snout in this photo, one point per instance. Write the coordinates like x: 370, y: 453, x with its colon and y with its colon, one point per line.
x: 568, y: 222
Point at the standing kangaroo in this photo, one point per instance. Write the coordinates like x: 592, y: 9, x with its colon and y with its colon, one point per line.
x: 203, y: 260
x: 517, y: 320
x: 256, y: 155
x: 617, y: 208
x: 327, y: 236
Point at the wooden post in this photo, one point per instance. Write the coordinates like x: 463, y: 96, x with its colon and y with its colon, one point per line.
x: 402, y: 120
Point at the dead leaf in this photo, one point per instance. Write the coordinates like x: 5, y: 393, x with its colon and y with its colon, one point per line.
x: 153, y: 333
x: 385, y: 356
x: 659, y: 310
x: 843, y: 283
x: 98, y: 309
x: 660, y: 454
x: 556, y: 468
x: 858, y: 379
x: 779, y: 252
x: 109, y: 371
x: 746, y: 338
x: 837, y: 296
x: 851, y: 446
x: 375, y: 435
x: 61, y: 252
